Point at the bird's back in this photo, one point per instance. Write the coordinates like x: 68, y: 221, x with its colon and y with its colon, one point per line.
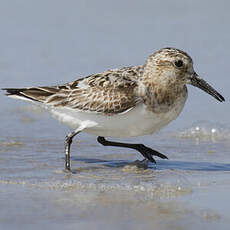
x: 109, y: 92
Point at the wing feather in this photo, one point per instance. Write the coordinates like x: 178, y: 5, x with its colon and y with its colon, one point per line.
x: 110, y: 92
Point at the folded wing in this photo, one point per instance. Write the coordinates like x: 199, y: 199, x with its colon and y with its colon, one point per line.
x: 109, y: 92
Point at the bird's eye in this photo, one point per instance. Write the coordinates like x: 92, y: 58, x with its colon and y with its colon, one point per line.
x: 178, y: 63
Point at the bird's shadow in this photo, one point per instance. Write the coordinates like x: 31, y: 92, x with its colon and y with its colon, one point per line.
x: 160, y: 164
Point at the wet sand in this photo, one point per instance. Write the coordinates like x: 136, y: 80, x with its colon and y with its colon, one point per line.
x: 54, y: 42
x: 109, y: 187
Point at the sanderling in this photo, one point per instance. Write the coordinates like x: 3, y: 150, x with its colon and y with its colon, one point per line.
x: 127, y: 102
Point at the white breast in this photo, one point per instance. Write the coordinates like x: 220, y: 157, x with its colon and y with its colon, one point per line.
x: 135, y: 122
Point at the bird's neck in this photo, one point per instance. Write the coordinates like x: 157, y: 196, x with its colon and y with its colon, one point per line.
x: 160, y: 92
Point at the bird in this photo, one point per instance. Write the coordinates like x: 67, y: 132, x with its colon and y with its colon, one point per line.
x: 118, y: 103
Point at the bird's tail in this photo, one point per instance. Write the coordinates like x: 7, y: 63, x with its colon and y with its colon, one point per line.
x: 37, y: 94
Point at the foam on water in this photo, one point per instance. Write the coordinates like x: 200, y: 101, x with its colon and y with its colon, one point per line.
x: 144, y: 184
x: 204, y: 130
x: 188, y: 191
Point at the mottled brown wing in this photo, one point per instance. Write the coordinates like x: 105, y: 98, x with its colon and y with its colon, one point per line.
x: 109, y: 92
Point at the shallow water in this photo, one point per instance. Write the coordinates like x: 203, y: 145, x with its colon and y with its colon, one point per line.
x: 110, y: 188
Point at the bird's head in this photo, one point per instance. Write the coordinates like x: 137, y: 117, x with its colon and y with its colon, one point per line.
x: 174, y: 65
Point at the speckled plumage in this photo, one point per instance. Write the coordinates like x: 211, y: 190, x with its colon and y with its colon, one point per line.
x: 158, y: 84
x: 109, y: 92
x: 117, y: 90
x: 126, y: 102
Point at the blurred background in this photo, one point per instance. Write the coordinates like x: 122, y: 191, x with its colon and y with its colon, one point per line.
x: 53, y: 42
x: 50, y: 42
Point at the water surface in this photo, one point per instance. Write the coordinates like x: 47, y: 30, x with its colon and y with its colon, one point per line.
x: 51, y: 42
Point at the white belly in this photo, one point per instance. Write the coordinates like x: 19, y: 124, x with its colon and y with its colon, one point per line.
x: 136, y: 122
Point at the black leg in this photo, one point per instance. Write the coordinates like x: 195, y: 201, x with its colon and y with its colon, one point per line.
x: 68, y: 142
x: 146, y: 152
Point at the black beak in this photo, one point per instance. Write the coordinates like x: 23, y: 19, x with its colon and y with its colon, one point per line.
x: 196, y: 81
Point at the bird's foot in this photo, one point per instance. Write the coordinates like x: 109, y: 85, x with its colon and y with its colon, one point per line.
x: 148, y: 153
